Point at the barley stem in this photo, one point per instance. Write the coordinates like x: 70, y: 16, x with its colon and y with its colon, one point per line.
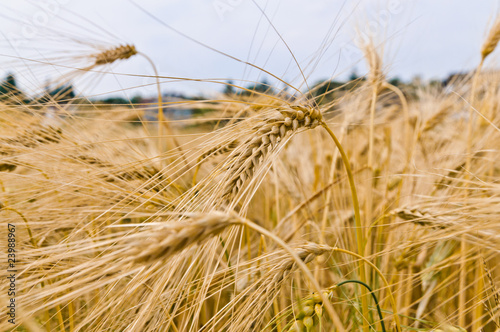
x: 373, y: 296
x: 391, y: 297
x: 360, y: 240
x: 161, y: 118
x: 373, y: 103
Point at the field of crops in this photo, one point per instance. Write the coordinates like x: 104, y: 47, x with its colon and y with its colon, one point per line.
x: 369, y: 206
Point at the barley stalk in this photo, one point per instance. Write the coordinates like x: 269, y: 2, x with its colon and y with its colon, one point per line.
x: 375, y: 78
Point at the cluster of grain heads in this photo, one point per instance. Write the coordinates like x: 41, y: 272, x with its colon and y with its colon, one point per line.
x: 268, y: 134
x: 265, y: 289
x: 121, y: 52
x: 308, y: 313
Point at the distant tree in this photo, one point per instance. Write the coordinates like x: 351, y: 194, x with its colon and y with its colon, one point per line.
x: 136, y: 99
x: 456, y: 77
x: 322, y: 88
x: 396, y: 81
x: 61, y: 94
x: 228, y: 88
x: 416, y: 81
x: 64, y: 92
x: 263, y: 87
x: 115, y: 101
x: 435, y: 83
x: 354, y: 75
x: 9, y: 90
x: 9, y: 86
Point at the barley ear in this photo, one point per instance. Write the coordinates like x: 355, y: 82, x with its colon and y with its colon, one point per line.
x: 121, y: 52
x: 164, y: 241
x: 491, y: 41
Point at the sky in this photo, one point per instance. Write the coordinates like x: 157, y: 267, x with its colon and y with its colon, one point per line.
x: 300, y: 42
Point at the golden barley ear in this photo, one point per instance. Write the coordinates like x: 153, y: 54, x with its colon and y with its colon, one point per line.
x: 376, y: 74
x: 421, y: 217
x: 121, y: 52
x: 491, y: 41
x: 268, y: 135
x: 219, y: 150
x: 169, y: 239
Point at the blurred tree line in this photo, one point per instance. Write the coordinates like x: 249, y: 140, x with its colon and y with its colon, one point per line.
x: 10, y: 93
x: 323, y: 90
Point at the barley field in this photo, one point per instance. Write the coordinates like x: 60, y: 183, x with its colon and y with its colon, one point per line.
x: 365, y: 205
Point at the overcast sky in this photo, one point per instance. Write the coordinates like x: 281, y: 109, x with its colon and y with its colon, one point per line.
x: 429, y: 38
